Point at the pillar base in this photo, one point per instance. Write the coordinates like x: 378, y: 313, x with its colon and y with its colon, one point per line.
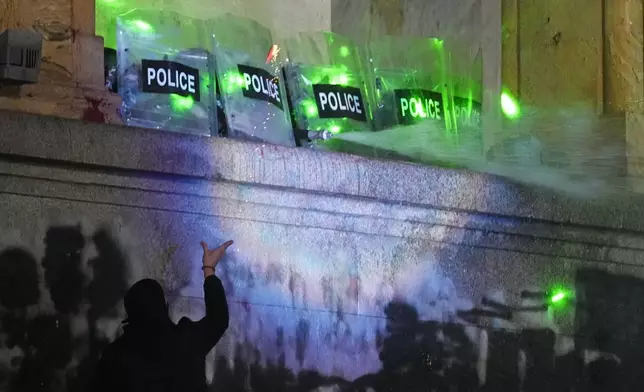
x: 80, y: 103
x: 634, y: 150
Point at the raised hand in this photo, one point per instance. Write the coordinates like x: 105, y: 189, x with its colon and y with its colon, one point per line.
x: 211, y: 257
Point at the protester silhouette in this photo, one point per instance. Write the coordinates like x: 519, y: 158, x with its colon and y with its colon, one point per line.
x: 154, y: 354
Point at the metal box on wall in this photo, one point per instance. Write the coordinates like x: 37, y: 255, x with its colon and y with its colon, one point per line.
x: 20, y: 56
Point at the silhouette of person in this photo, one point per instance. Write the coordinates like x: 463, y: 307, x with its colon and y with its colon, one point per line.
x: 154, y: 354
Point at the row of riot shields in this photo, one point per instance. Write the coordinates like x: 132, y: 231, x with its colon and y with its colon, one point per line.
x: 230, y: 76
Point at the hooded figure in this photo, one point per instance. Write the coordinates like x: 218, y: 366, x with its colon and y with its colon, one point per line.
x: 154, y: 354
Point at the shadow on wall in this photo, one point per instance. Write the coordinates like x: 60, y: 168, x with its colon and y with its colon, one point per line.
x: 419, y: 355
x: 57, y: 350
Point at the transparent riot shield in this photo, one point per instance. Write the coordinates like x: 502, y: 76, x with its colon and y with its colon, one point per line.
x: 248, y: 64
x: 325, y: 84
x: 407, y: 76
x: 465, y: 98
x: 164, y: 72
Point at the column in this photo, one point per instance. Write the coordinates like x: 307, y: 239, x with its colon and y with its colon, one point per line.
x: 624, y: 78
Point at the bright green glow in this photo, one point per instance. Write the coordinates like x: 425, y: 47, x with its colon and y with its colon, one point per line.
x: 338, y: 75
x: 231, y: 82
x: 344, y: 51
x: 107, y: 12
x: 510, y: 106
x: 310, y: 108
x: 181, y: 104
x: 438, y: 42
x: 340, y: 79
x: 335, y: 129
x: 558, y: 297
x: 142, y: 26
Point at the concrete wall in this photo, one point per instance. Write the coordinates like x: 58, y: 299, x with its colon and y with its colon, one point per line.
x: 346, y: 271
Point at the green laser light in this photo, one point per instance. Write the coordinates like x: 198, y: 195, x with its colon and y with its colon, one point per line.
x: 232, y: 81
x: 341, y: 79
x: 181, y: 104
x: 510, y: 106
x: 558, y: 297
x: 310, y: 109
x: 141, y: 26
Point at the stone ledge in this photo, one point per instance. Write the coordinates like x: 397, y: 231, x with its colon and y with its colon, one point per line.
x: 132, y: 149
x: 298, y: 200
x: 264, y: 205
